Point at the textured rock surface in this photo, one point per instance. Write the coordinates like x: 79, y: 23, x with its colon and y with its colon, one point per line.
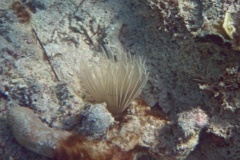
x: 95, y: 120
x: 31, y: 133
x: 192, y: 60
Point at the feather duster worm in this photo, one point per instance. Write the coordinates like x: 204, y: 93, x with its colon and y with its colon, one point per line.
x: 116, y: 79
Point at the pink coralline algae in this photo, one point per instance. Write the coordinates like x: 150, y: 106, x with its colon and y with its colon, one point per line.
x: 192, y: 121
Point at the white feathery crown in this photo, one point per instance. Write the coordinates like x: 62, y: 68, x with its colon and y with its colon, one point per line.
x: 116, y: 79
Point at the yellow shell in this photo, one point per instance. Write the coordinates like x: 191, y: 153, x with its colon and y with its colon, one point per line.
x: 228, y: 25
